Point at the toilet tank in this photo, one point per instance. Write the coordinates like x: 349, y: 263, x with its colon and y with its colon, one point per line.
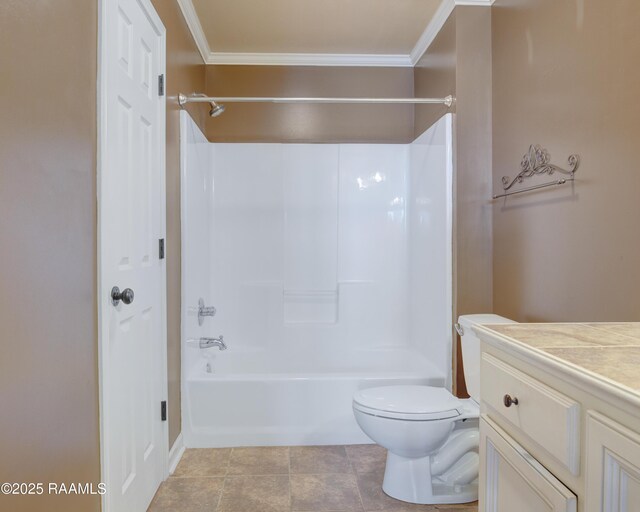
x: 471, y: 348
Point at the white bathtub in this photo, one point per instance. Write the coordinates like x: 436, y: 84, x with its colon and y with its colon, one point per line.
x: 251, y: 399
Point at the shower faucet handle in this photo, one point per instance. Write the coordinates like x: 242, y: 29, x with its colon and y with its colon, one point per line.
x: 204, y: 311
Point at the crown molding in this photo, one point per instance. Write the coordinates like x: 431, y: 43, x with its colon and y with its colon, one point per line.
x: 480, y: 3
x: 193, y: 22
x: 435, y: 25
x: 322, y: 59
x: 309, y: 59
x: 437, y: 22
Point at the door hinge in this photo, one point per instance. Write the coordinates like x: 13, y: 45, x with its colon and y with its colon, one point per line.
x: 160, y: 85
x: 163, y: 410
x: 161, y: 248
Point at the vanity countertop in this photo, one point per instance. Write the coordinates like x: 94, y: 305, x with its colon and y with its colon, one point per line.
x: 607, y: 354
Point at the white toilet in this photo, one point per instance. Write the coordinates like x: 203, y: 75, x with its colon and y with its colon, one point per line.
x: 431, y: 436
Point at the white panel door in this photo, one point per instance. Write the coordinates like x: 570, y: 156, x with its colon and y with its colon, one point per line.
x: 131, y: 222
x: 511, y: 480
x: 613, y: 466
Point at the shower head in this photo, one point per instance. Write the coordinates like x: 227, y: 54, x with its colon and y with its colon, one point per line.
x: 216, y: 109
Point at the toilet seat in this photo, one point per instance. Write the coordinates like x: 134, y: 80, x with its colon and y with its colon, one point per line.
x: 409, y: 403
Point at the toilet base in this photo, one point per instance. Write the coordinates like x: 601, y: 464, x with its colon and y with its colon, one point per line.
x: 410, y: 480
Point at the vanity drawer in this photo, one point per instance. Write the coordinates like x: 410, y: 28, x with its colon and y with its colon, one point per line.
x: 547, y: 417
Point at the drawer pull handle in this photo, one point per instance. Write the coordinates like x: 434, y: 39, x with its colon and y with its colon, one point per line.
x: 508, y: 401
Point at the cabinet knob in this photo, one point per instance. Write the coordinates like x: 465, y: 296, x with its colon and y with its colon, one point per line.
x: 509, y: 401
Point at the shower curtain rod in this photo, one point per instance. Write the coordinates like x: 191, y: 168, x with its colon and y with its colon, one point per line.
x: 183, y: 99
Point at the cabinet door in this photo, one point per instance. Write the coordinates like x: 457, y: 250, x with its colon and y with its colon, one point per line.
x: 613, y: 466
x: 511, y: 479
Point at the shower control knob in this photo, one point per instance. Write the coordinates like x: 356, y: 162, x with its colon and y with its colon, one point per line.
x: 204, y: 311
x: 125, y: 295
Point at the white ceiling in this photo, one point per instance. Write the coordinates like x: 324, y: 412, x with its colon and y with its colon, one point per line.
x: 312, y: 32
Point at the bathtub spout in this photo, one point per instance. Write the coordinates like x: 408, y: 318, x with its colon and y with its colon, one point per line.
x: 213, y: 342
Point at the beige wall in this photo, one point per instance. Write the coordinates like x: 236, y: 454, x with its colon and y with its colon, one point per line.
x: 49, y: 426
x: 310, y: 123
x: 459, y: 62
x: 48, y: 323
x: 473, y: 256
x: 435, y: 75
x: 566, y: 76
x: 185, y: 73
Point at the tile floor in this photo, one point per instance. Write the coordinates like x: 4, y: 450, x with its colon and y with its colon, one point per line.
x: 282, y: 479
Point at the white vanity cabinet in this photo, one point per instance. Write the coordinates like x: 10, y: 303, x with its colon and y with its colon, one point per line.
x: 613, y: 466
x: 553, y: 439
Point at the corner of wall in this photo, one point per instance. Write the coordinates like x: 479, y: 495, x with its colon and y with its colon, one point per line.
x: 185, y: 73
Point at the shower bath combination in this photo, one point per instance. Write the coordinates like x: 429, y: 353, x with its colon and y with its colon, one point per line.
x: 312, y: 308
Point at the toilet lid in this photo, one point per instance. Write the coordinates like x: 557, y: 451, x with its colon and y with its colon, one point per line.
x: 408, y: 402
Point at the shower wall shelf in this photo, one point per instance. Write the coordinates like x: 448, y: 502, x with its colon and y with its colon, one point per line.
x: 535, y: 163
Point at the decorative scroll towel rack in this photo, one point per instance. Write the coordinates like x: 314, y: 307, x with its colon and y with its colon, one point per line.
x: 535, y: 163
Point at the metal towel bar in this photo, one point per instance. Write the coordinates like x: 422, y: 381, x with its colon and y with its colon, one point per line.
x: 535, y: 163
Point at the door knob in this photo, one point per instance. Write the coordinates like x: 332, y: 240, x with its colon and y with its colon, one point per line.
x: 125, y: 295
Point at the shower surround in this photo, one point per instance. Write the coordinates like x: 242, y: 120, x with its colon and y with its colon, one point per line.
x: 331, y: 270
